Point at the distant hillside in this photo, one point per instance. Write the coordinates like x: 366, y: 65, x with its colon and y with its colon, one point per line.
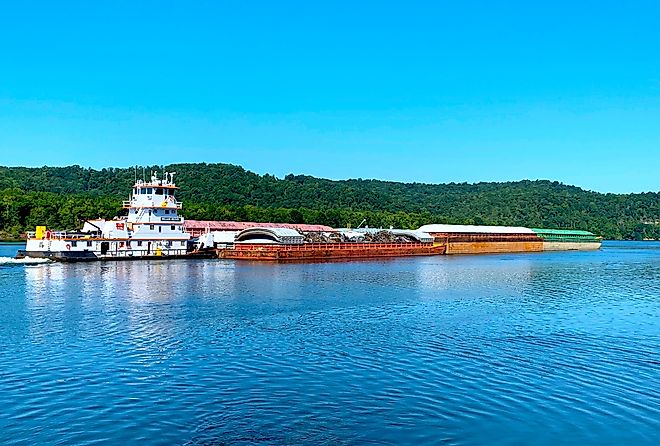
x: 64, y: 196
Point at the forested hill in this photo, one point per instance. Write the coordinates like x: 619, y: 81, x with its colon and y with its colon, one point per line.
x: 62, y: 197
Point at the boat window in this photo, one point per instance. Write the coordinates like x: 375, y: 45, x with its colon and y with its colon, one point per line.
x: 152, y: 227
x: 150, y: 214
x: 158, y: 191
x: 89, y: 243
x: 167, y: 211
x: 183, y: 243
x: 74, y: 244
x: 139, y: 242
x: 160, y: 229
x: 150, y: 191
x: 172, y: 228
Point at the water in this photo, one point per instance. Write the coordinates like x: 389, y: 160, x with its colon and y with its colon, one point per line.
x: 556, y: 348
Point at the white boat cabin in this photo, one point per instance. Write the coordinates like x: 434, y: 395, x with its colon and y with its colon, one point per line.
x: 152, y: 227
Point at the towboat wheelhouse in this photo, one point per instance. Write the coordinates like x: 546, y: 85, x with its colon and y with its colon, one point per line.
x: 153, y: 228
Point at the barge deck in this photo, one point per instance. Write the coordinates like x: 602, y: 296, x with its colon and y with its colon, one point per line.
x: 328, y: 251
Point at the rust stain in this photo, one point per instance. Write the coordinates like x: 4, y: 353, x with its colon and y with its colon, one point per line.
x: 493, y: 247
x: 329, y: 251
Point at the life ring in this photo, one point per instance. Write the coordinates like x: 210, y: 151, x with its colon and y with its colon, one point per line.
x: 68, y: 247
x: 48, y: 234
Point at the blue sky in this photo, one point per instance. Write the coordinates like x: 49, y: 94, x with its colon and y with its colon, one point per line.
x: 409, y: 91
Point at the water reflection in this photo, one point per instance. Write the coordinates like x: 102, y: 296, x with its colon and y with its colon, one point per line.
x: 462, y: 350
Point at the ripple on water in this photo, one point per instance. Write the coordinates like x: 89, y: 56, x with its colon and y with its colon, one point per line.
x: 550, y: 349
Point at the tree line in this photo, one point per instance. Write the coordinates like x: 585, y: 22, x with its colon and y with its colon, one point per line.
x: 63, y: 197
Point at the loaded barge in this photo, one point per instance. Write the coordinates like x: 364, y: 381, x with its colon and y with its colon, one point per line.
x: 470, y: 239
x: 287, y: 244
x: 329, y: 251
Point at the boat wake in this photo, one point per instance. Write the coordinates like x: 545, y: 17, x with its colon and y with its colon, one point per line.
x: 25, y: 261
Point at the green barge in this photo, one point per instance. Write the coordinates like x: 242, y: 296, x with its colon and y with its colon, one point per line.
x: 568, y: 240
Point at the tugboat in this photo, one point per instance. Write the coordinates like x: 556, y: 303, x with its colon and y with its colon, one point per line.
x: 152, y: 229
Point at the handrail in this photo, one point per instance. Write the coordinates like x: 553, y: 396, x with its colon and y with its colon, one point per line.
x: 319, y: 246
x: 59, y: 235
x: 143, y: 252
x: 154, y: 205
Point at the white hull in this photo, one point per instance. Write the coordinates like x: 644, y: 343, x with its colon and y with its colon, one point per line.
x: 109, y: 247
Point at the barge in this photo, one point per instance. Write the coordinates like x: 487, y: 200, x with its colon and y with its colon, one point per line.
x: 328, y: 251
x: 471, y: 239
x: 287, y: 244
x: 568, y: 240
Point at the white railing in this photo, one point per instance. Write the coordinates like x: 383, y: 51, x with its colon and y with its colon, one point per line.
x: 143, y: 252
x: 154, y: 204
x: 58, y: 235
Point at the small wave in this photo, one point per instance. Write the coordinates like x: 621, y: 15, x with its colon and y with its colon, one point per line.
x: 24, y: 261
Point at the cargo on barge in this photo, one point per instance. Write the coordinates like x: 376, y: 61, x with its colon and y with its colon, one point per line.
x: 286, y: 243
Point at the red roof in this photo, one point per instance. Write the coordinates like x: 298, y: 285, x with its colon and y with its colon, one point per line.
x: 191, y: 225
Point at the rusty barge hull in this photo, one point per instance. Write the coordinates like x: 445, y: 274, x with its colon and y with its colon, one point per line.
x: 489, y: 243
x: 445, y: 243
x: 329, y: 251
x: 493, y: 247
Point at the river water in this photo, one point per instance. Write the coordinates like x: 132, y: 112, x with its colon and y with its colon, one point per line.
x: 551, y: 348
